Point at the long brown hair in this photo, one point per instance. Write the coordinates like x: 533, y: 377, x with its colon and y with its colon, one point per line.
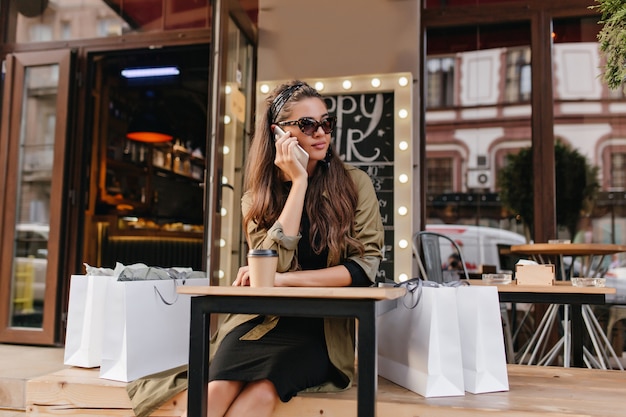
x: 331, y: 198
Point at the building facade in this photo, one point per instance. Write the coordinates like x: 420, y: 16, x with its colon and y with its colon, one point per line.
x: 489, y: 78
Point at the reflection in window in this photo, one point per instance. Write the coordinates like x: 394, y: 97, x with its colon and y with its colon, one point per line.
x: 32, y: 205
x: 618, y: 93
x: 478, y: 71
x: 518, y: 81
x: 40, y: 32
x: 66, y: 30
x: 109, y: 27
x: 440, y: 82
x: 439, y: 175
x: 91, y: 20
x: 618, y: 170
x: 71, y: 19
x: 442, y: 4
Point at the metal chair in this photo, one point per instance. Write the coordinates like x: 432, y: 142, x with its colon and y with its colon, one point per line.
x: 427, y: 251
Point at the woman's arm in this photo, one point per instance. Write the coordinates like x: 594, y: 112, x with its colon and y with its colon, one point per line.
x: 368, y: 225
x: 334, y: 276
x: 291, y: 216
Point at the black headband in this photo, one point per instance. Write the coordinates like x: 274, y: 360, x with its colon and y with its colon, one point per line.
x: 280, y: 100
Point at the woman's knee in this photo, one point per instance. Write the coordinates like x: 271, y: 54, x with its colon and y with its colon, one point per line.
x: 263, y: 392
x: 224, y: 390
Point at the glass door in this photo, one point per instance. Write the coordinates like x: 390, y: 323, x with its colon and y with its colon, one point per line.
x: 32, y: 139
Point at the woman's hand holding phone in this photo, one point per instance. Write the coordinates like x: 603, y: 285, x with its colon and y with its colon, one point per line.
x: 300, y: 154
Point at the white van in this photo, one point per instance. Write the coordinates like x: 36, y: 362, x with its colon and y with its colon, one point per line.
x: 481, y: 245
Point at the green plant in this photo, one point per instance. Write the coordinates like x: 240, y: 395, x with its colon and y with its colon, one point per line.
x: 612, y: 38
x: 576, y: 186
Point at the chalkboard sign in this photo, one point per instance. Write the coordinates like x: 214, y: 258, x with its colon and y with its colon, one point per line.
x: 374, y: 133
x: 364, y: 137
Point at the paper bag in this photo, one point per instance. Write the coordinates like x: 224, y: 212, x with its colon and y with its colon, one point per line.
x: 419, y: 344
x: 482, y: 341
x: 146, y: 329
x: 85, y: 320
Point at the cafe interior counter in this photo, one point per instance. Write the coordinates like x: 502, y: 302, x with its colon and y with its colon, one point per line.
x: 129, y: 240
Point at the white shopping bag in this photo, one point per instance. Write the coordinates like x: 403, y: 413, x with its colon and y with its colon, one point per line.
x: 85, y: 320
x: 146, y: 329
x: 482, y: 341
x: 419, y: 345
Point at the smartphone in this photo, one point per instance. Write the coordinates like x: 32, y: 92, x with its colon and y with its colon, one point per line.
x: 301, y: 155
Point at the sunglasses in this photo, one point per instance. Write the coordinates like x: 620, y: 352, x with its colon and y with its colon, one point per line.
x: 308, y: 125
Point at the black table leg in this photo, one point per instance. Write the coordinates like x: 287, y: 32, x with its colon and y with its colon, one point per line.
x: 577, y: 336
x: 368, y: 365
x: 203, y: 306
x: 198, y: 373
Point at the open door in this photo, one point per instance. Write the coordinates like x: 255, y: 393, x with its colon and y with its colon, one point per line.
x: 32, y: 177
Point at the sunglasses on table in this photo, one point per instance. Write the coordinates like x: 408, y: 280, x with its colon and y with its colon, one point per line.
x: 309, y: 125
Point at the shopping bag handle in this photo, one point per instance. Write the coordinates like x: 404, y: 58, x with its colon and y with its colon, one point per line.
x: 414, y: 287
x: 158, y: 292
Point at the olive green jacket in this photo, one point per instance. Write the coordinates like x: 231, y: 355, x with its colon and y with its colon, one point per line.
x: 339, y: 332
x: 148, y: 393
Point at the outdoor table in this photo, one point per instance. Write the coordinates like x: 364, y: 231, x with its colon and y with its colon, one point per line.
x: 594, y: 254
x: 360, y: 303
x: 562, y: 292
x: 544, y: 253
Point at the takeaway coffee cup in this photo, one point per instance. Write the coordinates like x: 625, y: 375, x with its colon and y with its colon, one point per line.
x: 262, y: 263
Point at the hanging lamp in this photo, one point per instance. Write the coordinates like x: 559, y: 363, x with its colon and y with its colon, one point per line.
x: 149, y: 123
x: 147, y: 126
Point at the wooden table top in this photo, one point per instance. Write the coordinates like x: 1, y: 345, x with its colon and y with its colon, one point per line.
x: 568, y: 249
x: 375, y: 293
x: 559, y: 287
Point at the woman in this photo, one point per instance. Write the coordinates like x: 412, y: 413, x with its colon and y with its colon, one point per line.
x: 324, y: 222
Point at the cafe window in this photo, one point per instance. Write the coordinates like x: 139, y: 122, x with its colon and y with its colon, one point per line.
x: 439, y: 174
x: 440, y: 82
x: 518, y: 81
x: 477, y: 69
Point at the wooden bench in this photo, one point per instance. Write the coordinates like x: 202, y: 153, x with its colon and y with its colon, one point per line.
x: 546, y: 391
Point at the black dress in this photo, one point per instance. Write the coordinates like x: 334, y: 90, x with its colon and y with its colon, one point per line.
x: 292, y: 355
